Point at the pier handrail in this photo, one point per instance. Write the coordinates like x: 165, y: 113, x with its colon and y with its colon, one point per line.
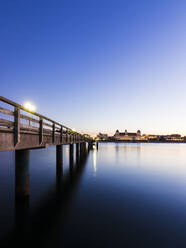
x: 42, y: 117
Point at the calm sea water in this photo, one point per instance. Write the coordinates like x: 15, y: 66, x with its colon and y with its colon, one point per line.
x: 121, y: 195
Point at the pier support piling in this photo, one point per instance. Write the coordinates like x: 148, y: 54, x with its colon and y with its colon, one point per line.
x: 77, y: 153
x: 71, y: 153
x: 22, y: 177
x: 90, y: 146
x: 59, y: 160
x: 82, y: 149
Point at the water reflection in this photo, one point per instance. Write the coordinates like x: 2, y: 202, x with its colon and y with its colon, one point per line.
x: 32, y: 227
x: 94, y: 160
x: 127, y: 195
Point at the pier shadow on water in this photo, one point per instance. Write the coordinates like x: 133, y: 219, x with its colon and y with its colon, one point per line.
x: 38, y: 227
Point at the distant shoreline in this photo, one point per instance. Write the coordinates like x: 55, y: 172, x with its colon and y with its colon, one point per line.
x: 138, y: 141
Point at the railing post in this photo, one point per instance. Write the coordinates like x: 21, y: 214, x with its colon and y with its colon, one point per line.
x: 16, y: 126
x: 61, y: 134
x: 66, y: 136
x: 41, y: 131
x: 53, y: 133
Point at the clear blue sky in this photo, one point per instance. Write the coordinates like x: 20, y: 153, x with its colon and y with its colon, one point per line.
x: 97, y: 65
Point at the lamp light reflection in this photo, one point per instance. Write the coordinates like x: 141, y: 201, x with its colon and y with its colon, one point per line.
x: 95, y: 161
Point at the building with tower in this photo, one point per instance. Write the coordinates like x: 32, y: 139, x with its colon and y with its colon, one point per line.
x: 127, y: 135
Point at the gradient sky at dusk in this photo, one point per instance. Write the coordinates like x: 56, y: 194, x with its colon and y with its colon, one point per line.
x: 97, y: 65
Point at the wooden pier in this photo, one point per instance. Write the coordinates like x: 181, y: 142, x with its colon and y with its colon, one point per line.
x: 22, y: 130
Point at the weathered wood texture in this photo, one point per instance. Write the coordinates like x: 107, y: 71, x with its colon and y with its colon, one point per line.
x: 41, y: 131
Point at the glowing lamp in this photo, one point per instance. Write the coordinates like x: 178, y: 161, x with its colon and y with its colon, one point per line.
x: 29, y: 106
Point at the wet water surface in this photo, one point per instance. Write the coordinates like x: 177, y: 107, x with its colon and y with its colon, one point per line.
x: 121, y: 195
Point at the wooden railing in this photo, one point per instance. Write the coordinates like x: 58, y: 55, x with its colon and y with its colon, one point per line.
x: 34, y: 123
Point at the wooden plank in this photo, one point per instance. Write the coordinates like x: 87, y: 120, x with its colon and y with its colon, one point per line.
x: 5, y: 130
x: 16, y: 126
x: 29, y: 128
x: 6, y: 123
x: 6, y: 111
x: 48, y: 131
x: 47, y: 125
x: 25, y: 117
